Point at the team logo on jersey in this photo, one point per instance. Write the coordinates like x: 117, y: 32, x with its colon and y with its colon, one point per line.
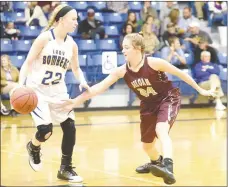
x: 56, y: 59
x: 140, y: 82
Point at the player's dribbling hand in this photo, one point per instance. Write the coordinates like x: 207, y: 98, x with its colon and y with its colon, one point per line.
x: 208, y: 93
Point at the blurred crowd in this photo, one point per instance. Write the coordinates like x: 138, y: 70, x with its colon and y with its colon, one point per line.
x: 172, y: 33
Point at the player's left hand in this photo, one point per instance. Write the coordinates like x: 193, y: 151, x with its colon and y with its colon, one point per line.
x: 208, y: 93
x: 84, y: 85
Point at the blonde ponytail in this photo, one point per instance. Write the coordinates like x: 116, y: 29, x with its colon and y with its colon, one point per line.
x: 51, y: 21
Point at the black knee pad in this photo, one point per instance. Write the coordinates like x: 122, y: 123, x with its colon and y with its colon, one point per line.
x: 42, y: 131
x: 68, y: 126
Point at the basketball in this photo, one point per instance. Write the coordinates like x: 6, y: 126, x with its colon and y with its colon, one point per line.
x: 24, y: 100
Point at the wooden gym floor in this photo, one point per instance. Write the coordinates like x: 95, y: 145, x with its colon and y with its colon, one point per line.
x: 108, y: 150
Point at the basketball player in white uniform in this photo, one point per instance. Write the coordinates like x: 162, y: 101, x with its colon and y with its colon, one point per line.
x: 44, y: 71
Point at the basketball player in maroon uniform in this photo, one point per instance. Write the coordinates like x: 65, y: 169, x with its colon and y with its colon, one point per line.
x: 160, y: 101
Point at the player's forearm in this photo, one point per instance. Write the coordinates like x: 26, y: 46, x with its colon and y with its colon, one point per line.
x: 23, y: 73
x: 189, y: 80
x: 79, y: 75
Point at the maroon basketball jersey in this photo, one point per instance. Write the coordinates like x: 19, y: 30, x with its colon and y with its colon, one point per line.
x: 147, y: 83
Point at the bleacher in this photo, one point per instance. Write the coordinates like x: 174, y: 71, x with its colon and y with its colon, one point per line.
x: 90, y: 50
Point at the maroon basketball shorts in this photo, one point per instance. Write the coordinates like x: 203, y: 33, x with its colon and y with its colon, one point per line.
x: 152, y: 113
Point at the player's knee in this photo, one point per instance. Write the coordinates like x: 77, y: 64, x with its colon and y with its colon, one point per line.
x: 68, y: 126
x: 44, y: 132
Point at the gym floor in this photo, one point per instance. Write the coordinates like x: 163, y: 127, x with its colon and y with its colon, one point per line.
x: 108, y: 150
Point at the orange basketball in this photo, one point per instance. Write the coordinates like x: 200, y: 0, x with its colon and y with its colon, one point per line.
x: 24, y: 100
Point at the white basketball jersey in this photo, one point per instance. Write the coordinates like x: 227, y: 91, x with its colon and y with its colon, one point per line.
x: 49, y: 69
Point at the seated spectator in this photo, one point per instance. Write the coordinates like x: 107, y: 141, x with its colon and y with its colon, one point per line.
x: 172, y: 30
x: 173, y: 53
x: 54, y: 4
x: 199, y: 9
x: 174, y: 17
x: 166, y: 8
x: 148, y: 10
x: 91, y: 28
x: 207, y: 75
x: 192, y: 41
x: 218, y: 11
x: 126, y: 30
x: 9, y: 75
x: 34, y: 15
x: 152, y: 43
x: 118, y: 7
x: 11, y: 32
x: 47, y: 7
x: 154, y: 27
x: 204, y: 46
x: 131, y: 19
x: 6, y: 6
x: 186, y: 19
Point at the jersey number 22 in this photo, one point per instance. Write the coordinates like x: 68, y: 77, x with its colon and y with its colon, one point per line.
x: 57, y: 77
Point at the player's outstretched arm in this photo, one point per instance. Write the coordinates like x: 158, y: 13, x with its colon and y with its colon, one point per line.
x: 94, y: 90
x: 162, y: 65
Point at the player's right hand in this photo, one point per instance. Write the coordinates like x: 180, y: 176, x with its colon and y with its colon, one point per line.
x: 208, y: 93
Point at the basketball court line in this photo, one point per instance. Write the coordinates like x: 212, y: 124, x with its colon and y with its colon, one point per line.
x: 113, y: 123
x: 96, y: 170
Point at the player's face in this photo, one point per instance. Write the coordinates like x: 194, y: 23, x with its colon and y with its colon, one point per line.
x: 128, y: 50
x: 70, y: 21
